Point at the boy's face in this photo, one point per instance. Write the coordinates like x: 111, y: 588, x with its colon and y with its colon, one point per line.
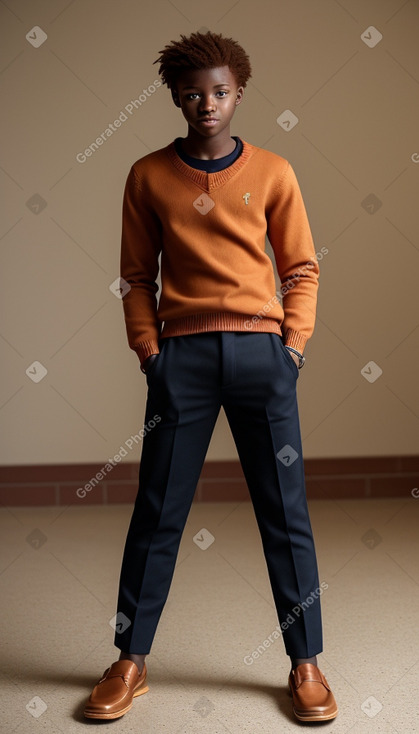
x: 208, y: 99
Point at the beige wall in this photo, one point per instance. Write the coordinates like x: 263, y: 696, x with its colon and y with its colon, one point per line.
x: 357, y: 132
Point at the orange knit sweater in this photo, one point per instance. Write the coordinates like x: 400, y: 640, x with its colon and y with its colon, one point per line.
x: 209, y: 229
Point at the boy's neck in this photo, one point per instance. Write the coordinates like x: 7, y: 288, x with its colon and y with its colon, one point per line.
x: 208, y: 149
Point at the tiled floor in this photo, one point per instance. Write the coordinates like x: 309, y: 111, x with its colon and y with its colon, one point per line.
x: 58, y: 584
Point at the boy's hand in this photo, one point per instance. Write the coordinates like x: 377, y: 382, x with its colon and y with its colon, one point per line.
x: 295, y: 358
x: 149, y: 361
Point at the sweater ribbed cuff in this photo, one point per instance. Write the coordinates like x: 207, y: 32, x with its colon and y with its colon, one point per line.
x: 295, y: 339
x: 146, y: 349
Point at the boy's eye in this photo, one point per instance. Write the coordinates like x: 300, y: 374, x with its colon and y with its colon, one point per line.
x: 194, y: 95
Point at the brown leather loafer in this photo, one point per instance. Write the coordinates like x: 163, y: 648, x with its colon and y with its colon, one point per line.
x: 112, y: 696
x: 312, y: 698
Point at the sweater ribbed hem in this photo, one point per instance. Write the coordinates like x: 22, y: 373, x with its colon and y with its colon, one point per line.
x: 203, y: 322
x: 226, y: 321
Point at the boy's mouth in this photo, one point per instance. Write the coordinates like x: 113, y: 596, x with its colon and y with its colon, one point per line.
x: 209, y: 121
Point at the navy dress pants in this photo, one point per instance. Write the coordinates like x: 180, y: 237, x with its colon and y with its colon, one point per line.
x: 253, y: 376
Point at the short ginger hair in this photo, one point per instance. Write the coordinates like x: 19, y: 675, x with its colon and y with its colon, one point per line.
x: 203, y: 51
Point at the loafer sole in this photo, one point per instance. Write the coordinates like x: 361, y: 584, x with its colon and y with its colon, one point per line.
x: 309, y: 716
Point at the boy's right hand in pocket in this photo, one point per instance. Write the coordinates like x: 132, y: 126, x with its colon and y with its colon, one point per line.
x: 149, y: 361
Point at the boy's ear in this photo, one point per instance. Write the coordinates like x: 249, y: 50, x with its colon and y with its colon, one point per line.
x: 175, y: 97
x: 239, y: 95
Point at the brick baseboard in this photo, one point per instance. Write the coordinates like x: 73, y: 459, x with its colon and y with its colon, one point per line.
x: 220, y: 481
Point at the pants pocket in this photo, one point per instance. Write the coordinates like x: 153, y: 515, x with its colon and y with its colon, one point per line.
x: 288, y: 358
x: 152, y: 369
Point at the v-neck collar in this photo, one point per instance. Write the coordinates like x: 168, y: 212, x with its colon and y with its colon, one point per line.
x: 203, y: 179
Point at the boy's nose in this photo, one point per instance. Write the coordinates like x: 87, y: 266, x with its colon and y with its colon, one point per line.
x: 206, y: 104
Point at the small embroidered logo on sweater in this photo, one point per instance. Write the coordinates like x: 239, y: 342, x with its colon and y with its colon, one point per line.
x: 246, y: 198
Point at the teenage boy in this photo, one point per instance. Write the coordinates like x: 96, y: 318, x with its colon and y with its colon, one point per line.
x: 219, y: 336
